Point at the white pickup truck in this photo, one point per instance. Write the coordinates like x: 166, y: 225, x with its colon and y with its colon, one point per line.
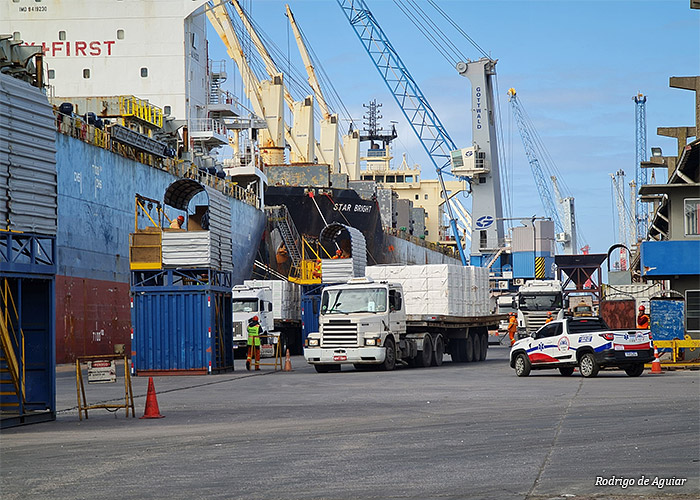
x: 584, y: 342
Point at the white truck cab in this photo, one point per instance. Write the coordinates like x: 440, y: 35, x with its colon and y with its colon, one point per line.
x: 361, y: 322
x: 535, y: 300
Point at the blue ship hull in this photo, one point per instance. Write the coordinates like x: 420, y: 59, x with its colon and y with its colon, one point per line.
x: 96, y: 192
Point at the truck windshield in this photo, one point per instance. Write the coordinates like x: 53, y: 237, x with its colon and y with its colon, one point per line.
x: 353, y: 301
x: 245, y: 305
x: 540, y: 301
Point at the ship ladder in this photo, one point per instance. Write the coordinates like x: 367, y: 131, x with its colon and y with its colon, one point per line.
x: 12, y: 379
x: 289, y: 233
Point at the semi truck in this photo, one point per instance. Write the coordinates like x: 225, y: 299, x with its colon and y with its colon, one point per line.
x: 403, y: 319
x: 276, y: 303
x: 535, y: 300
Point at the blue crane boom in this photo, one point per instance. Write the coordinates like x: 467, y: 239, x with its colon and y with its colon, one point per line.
x: 415, y: 107
x: 543, y: 187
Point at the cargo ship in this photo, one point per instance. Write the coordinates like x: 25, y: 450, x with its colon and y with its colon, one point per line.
x: 117, y: 139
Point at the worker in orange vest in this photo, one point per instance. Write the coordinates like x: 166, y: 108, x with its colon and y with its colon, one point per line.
x: 512, y: 327
x: 643, y: 319
x: 549, y: 317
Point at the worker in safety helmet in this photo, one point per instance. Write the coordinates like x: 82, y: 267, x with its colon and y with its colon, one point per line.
x: 512, y: 327
x: 643, y: 319
x: 549, y: 317
x: 253, y: 343
x: 177, y: 223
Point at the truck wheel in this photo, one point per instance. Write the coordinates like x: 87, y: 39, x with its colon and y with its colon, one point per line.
x: 390, y: 357
x: 470, y: 349
x: 588, y: 366
x: 477, y: 347
x: 522, y: 365
x: 635, y: 370
x: 439, y: 351
x: 457, y: 350
x: 566, y: 370
x: 326, y: 368
x: 484, y: 346
x: 424, y: 357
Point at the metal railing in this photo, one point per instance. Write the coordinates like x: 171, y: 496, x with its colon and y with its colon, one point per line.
x: 79, y: 129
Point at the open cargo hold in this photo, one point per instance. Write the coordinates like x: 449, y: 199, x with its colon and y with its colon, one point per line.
x: 182, y: 322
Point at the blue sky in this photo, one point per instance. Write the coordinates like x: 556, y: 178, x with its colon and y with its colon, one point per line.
x: 575, y: 65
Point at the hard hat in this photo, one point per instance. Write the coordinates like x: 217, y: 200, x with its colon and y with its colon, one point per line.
x: 338, y: 252
x: 180, y: 218
x: 254, y: 318
x: 549, y: 313
x: 641, y: 308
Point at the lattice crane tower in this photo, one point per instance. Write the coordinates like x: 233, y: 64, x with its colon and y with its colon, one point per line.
x: 640, y: 122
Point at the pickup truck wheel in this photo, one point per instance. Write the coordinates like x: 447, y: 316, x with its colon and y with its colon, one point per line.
x: 390, y: 357
x: 439, y: 351
x: 326, y: 368
x: 587, y: 365
x: 566, y: 371
x: 522, y: 365
x: 470, y: 348
x: 424, y: 357
x: 634, y: 370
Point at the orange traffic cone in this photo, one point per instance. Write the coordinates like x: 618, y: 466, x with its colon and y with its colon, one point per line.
x: 152, y: 410
x: 287, y: 363
x: 656, y: 364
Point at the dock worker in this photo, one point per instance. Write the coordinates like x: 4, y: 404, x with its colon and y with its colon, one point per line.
x: 338, y: 254
x: 177, y: 223
x: 549, y: 317
x: 253, y: 343
x: 642, y: 319
x: 512, y: 327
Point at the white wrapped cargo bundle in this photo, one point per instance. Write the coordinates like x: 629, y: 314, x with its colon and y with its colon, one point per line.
x: 188, y: 249
x: 286, y: 297
x: 439, y: 289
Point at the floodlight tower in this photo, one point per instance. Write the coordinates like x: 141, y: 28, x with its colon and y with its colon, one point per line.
x: 640, y: 122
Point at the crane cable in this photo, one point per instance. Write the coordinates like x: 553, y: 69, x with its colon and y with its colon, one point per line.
x: 436, y: 38
x: 458, y: 28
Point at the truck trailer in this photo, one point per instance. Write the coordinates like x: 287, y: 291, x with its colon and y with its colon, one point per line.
x: 406, y: 315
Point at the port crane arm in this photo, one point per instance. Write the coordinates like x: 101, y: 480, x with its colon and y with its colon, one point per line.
x: 415, y: 107
x: 532, y: 157
x: 310, y: 70
x: 270, y: 65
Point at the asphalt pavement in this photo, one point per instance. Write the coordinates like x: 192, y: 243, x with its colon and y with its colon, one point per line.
x: 457, y: 431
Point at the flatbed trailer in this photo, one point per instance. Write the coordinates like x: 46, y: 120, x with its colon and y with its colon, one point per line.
x: 364, y: 323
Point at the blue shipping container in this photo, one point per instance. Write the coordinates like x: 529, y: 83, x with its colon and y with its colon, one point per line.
x: 181, y: 330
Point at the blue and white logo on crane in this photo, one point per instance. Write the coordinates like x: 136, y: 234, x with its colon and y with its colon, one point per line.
x: 483, y: 222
